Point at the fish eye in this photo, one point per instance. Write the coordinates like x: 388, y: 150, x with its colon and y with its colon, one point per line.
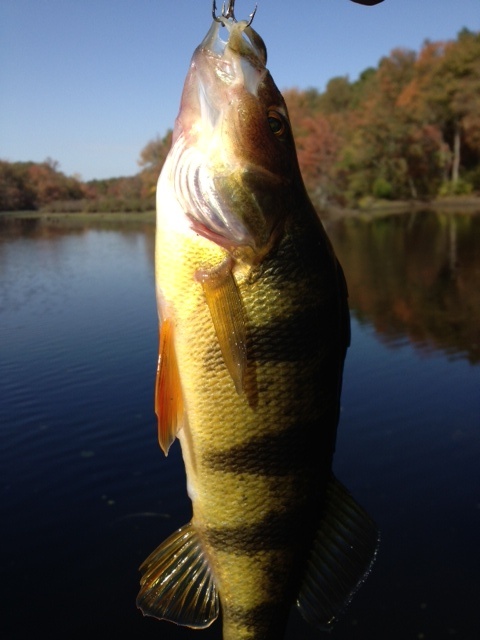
x: 276, y: 123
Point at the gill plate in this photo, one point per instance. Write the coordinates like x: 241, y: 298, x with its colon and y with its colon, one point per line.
x: 196, y: 189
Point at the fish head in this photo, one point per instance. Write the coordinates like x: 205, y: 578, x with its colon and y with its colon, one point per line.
x: 235, y: 169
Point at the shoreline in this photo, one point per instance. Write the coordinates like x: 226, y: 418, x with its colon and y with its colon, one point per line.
x: 375, y: 209
x: 384, y: 208
x: 82, y: 219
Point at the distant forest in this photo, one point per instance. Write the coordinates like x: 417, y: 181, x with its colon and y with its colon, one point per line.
x: 408, y: 129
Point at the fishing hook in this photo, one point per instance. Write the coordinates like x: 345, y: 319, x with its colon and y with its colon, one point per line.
x: 229, y: 12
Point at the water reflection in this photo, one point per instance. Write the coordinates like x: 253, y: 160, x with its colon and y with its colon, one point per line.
x: 415, y: 276
x: 81, y: 468
x: 57, y: 226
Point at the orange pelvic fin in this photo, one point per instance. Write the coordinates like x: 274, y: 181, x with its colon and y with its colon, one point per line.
x: 228, y: 316
x: 168, y: 391
x: 177, y: 584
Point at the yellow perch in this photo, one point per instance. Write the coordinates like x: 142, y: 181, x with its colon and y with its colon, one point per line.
x: 254, y: 326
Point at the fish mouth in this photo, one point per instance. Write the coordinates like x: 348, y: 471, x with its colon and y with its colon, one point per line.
x: 224, y: 64
x: 241, y: 39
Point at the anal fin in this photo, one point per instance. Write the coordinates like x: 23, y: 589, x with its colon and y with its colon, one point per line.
x: 168, y: 391
x: 176, y: 584
x: 228, y: 317
x: 343, y: 552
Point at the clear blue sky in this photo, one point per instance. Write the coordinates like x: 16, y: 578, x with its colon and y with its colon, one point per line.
x: 90, y: 82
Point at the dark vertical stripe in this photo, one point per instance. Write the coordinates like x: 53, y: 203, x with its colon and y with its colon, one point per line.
x: 295, y: 337
x: 286, y: 452
x: 264, y: 622
x: 275, y: 531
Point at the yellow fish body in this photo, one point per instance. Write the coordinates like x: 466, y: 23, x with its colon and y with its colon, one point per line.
x: 254, y: 330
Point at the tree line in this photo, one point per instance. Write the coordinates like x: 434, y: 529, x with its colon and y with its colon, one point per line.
x: 26, y: 186
x: 407, y: 129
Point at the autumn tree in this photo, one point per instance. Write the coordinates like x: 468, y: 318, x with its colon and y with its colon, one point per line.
x: 387, y: 153
x: 15, y: 192
x: 50, y: 184
x: 317, y: 154
x: 409, y: 128
x: 337, y: 97
x: 445, y: 92
x: 30, y: 185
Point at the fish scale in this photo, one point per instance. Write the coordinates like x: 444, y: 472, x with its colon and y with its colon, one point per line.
x: 221, y: 423
x: 254, y: 327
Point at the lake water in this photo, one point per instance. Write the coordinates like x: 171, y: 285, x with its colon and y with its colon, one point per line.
x: 86, y: 493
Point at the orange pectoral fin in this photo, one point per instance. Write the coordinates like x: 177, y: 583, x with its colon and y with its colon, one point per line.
x: 168, y: 391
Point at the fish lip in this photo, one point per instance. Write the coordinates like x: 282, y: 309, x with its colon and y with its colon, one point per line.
x: 212, y: 42
x: 241, y: 39
x: 240, y: 58
x: 210, y: 53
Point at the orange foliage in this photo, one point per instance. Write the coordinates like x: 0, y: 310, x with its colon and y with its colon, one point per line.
x: 399, y: 131
x: 317, y: 153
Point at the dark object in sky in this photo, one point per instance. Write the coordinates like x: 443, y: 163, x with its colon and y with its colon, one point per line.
x: 370, y: 3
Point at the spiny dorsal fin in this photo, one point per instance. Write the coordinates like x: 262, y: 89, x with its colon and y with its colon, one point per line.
x: 168, y: 391
x: 226, y: 308
x: 343, y: 552
x: 176, y: 582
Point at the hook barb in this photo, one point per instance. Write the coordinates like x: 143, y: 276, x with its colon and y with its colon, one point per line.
x: 252, y: 15
x: 228, y: 12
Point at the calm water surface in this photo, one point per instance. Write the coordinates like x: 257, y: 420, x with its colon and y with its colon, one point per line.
x: 86, y: 493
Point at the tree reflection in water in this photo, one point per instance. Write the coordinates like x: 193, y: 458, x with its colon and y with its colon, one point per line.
x: 415, y: 275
